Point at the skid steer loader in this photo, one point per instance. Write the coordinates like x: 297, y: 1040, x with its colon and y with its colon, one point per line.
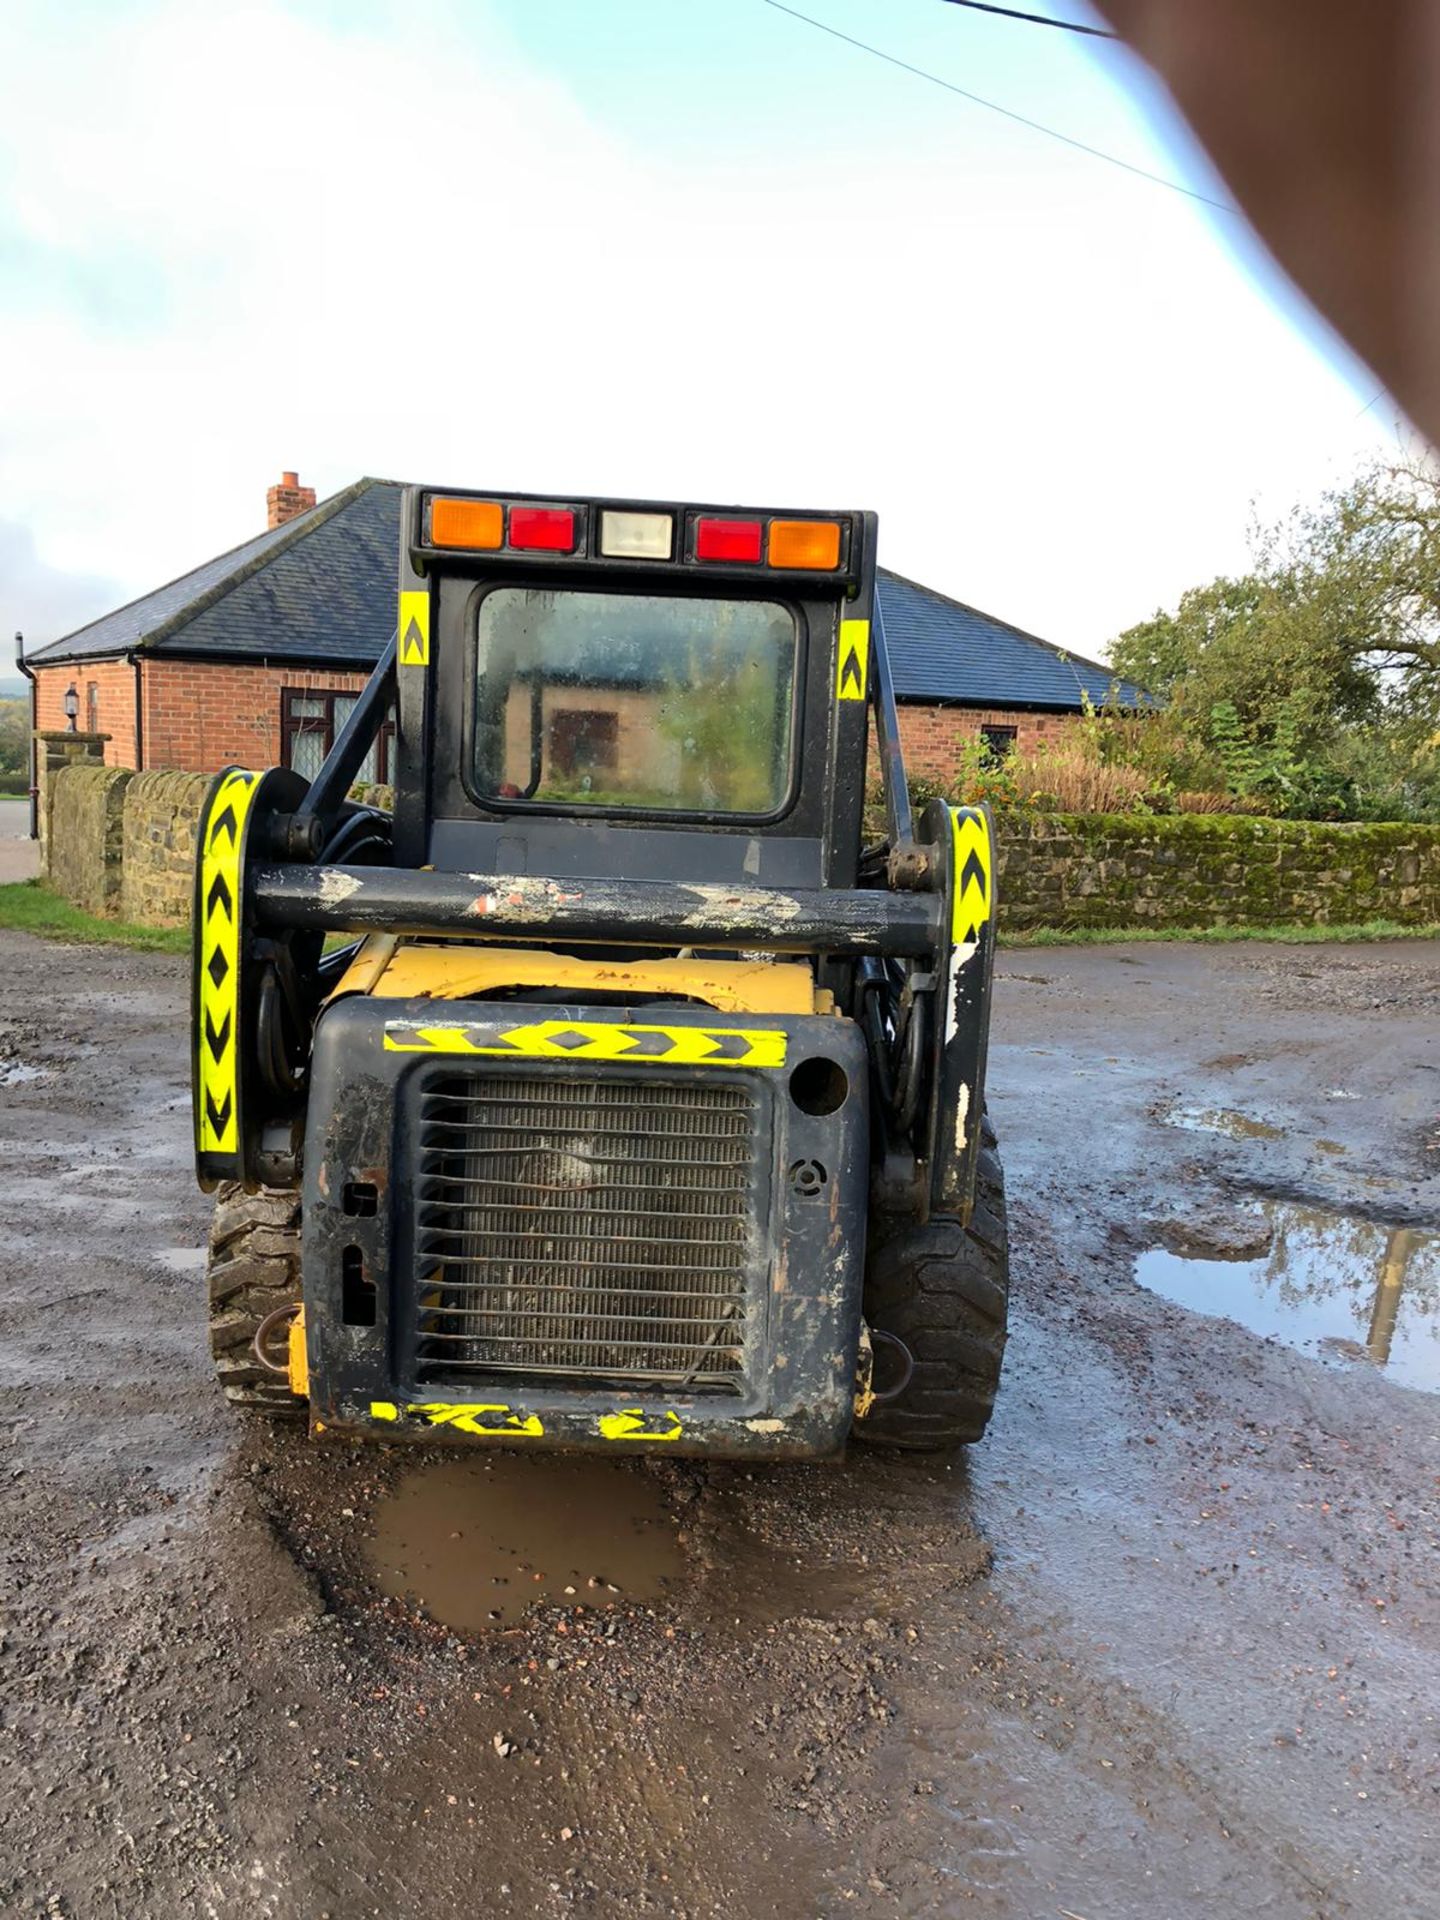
x: 610, y: 1092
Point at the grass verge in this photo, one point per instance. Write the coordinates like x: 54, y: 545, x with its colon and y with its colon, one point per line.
x: 1298, y: 935
x: 29, y: 906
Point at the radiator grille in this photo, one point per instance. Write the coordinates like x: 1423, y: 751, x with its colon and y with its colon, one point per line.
x: 585, y: 1229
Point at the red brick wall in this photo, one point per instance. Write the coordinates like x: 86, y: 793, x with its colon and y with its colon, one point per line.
x: 114, y: 684
x: 197, y: 716
x: 930, y: 737
x: 200, y: 716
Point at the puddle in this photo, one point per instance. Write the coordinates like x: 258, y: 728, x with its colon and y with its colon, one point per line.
x: 182, y: 1259
x: 1227, y: 1120
x: 478, y: 1540
x: 1338, y: 1288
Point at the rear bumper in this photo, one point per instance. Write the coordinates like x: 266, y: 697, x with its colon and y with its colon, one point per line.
x: 493, y: 1191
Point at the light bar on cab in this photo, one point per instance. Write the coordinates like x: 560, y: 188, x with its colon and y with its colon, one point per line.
x: 585, y: 532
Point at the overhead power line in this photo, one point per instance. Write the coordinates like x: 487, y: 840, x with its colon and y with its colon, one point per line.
x: 1035, y: 19
x: 978, y: 100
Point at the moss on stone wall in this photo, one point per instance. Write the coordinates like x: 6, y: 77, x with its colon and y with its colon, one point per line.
x: 1206, y: 870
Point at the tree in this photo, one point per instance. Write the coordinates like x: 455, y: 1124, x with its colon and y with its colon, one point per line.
x: 1343, y: 603
x: 14, y: 737
x: 1315, y: 677
x: 1369, y: 556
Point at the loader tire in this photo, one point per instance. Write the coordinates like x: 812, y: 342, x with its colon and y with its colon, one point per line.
x: 943, y: 1289
x: 253, y: 1268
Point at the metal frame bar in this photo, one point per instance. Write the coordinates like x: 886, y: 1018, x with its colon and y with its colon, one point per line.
x: 887, y: 734
x: 333, y: 782
x: 518, y: 906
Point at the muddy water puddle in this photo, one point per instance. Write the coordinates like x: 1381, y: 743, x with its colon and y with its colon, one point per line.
x: 478, y: 1541
x: 1228, y: 1121
x: 1340, y: 1288
x: 182, y: 1259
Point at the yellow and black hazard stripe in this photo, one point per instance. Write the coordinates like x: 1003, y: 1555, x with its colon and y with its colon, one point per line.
x: 217, y: 962
x: 597, y: 1040
x: 488, y: 1419
x: 974, y: 876
x: 634, y: 1423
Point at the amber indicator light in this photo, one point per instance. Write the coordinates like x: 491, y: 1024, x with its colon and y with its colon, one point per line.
x: 467, y: 523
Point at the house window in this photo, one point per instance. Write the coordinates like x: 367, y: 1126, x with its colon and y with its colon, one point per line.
x: 310, y: 723
x: 998, y: 743
x: 583, y: 742
x: 92, y: 707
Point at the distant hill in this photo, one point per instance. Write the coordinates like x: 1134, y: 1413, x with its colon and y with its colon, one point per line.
x: 16, y: 689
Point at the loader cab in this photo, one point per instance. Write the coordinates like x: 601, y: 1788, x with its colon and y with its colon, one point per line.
x: 636, y: 690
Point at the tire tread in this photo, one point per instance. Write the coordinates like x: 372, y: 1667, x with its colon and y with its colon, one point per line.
x: 944, y: 1290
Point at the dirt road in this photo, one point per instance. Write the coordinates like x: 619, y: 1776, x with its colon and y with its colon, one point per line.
x: 1167, y: 1645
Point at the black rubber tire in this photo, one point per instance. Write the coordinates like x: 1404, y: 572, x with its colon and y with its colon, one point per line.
x: 253, y: 1268
x: 944, y: 1290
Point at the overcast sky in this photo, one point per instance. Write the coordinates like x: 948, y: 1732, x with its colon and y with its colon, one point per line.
x: 640, y: 247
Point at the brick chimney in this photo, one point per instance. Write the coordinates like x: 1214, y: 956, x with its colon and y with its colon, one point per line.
x: 282, y: 503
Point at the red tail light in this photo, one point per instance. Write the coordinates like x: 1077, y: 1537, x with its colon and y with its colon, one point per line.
x: 551, y: 529
x: 737, y: 540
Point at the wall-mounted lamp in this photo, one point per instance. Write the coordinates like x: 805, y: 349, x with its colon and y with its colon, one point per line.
x: 72, y: 706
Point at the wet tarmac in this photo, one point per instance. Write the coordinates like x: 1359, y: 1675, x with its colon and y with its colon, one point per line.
x: 1165, y: 1647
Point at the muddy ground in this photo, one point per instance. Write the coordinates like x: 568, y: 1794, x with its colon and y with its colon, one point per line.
x: 1168, y: 1644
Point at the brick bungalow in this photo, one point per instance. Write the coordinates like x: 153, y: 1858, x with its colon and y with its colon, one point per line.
x: 255, y: 657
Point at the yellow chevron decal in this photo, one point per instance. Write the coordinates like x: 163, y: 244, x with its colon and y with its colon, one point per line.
x: 218, y: 956
x: 598, y: 1040
x: 632, y: 1423
x: 487, y: 1418
x: 414, y: 627
x: 852, y: 661
x: 974, y: 874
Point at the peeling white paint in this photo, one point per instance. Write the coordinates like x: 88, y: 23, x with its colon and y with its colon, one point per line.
x: 962, y: 1113
x: 765, y: 1426
x: 518, y: 896
x: 336, y: 886
x: 957, y: 966
x: 728, y: 905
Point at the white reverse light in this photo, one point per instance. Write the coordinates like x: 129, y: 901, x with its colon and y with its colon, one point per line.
x: 636, y: 536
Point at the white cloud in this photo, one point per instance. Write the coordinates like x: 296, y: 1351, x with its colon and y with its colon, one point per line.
x: 43, y: 602
x: 398, y: 248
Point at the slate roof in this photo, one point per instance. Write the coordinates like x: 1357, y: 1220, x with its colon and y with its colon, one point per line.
x: 942, y: 650
x: 321, y: 589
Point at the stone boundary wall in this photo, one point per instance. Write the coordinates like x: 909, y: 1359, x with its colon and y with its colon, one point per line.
x: 1207, y: 870
x: 86, y: 824
x: 157, y: 851
x: 124, y: 843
